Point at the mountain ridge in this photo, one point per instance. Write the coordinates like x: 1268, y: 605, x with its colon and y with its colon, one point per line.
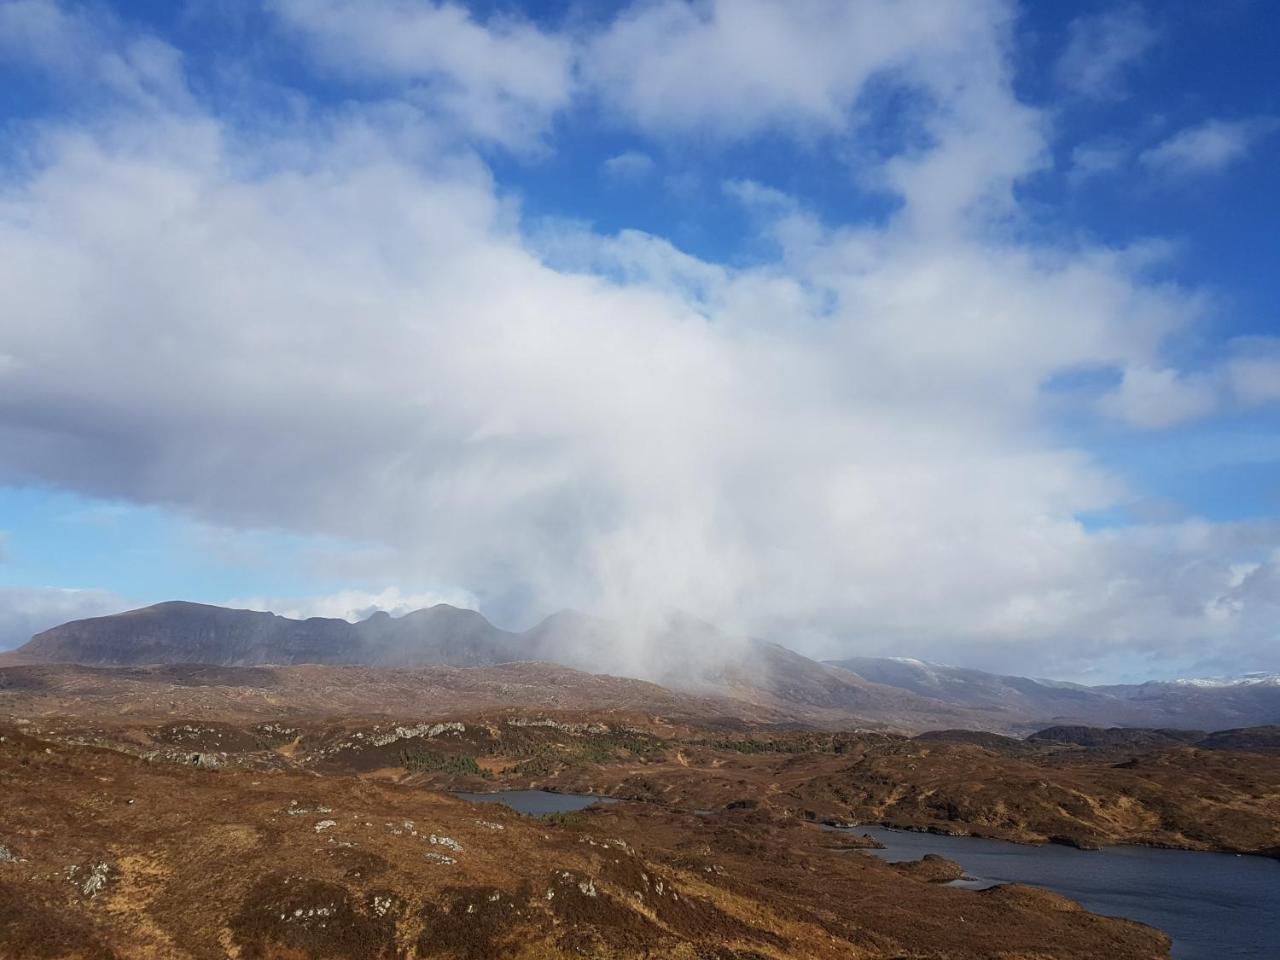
x: 683, y: 654
x: 686, y: 654
x: 1158, y: 703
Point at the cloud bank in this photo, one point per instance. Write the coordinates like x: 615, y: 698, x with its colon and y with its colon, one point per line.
x: 354, y: 605
x: 25, y: 611
x: 339, y: 322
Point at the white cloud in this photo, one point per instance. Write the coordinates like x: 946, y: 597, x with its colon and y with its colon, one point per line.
x: 41, y: 32
x: 629, y: 166
x: 349, y: 333
x: 86, y: 52
x: 501, y: 80
x: 355, y: 605
x: 1095, y: 159
x: 1153, y: 399
x: 374, y: 354
x: 729, y: 70
x: 1208, y: 147
x: 25, y: 611
x: 1253, y: 370
x: 1100, y: 47
x: 733, y: 69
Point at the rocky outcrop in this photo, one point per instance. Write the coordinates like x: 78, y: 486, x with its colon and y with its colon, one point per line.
x: 930, y: 868
x: 215, y: 865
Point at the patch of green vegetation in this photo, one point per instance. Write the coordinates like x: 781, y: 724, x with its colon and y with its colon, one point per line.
x: 540, y: 759
x: 783, y: 744
x: 574, y: 818
x: 594, y: 751
x: 752, y: 745
x: 639, y: 744
x: 424, y: 761
x: 542, y: 764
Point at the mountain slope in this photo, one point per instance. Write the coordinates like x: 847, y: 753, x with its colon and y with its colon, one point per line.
x: 1185, y: 705
x: 181, y: 632
x: 976, y: 688
x: 1206, y: 704
x: 691, y: 655
x: 681, y: 653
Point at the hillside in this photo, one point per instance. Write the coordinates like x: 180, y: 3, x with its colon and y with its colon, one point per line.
x: 178, y: 860
x: 681, y: 653
x: 1183, y: 705
x: 684, y: 654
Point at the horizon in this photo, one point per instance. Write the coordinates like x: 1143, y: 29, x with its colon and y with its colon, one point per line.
x: 358, y: 617
x: 949, y: 329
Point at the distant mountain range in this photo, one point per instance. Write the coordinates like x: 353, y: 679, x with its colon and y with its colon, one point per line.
x: 1248, y: 680
x: 685, y: 654
x: 1183, y: 704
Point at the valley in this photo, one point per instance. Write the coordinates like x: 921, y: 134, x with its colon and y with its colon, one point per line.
x: 202, y: 839
x: 1076, y: 785
x: 309, y: 809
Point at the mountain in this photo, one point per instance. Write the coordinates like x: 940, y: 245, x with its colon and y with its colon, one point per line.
x: 1249, y: 739
x: 437, y: 635
x: 693, y: 656
x: 681, y: 653
x: 1211, y: 705
x: 1247, y: 680
x: 973, y: 688
x: 1250, y: 701
x: 1122, y: 738
x: 270, y: 693
x: 181, y: 632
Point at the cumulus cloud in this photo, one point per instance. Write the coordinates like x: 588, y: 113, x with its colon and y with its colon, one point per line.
x: 40, y: 32
x: 25, y: 611
x: 629, y: 166
x: 1152, y: 399
x: 1253, y: 370
x: 501, y: 79
x: 732, y: 70
x: 1096, y: 159
x: 1101, y: 47
x: 736, y: 68
x: 87, y: 52
x: 1208, y: 147
x: 355, y: 605
x: 332, y: 331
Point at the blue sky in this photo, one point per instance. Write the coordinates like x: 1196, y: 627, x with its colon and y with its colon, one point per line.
x: 947, y: 330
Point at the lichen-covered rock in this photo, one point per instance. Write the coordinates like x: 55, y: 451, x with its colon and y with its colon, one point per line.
x: 447, y: 842
x: 95, y: 881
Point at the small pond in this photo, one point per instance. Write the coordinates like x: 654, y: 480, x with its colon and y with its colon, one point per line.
x: 536, y: 803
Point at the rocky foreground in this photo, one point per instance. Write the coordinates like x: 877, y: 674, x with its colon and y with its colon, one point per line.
x: 111, y: 855
x: 249, y: 814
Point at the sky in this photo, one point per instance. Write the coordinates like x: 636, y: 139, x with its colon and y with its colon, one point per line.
x: 935, y: 328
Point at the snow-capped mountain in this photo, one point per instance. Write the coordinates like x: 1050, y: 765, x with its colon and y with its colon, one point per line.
x: 1191, y: 704
x: 1245, y: 680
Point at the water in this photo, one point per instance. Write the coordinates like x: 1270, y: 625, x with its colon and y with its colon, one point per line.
x: 1215, y: 906
x: 535, y: 803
